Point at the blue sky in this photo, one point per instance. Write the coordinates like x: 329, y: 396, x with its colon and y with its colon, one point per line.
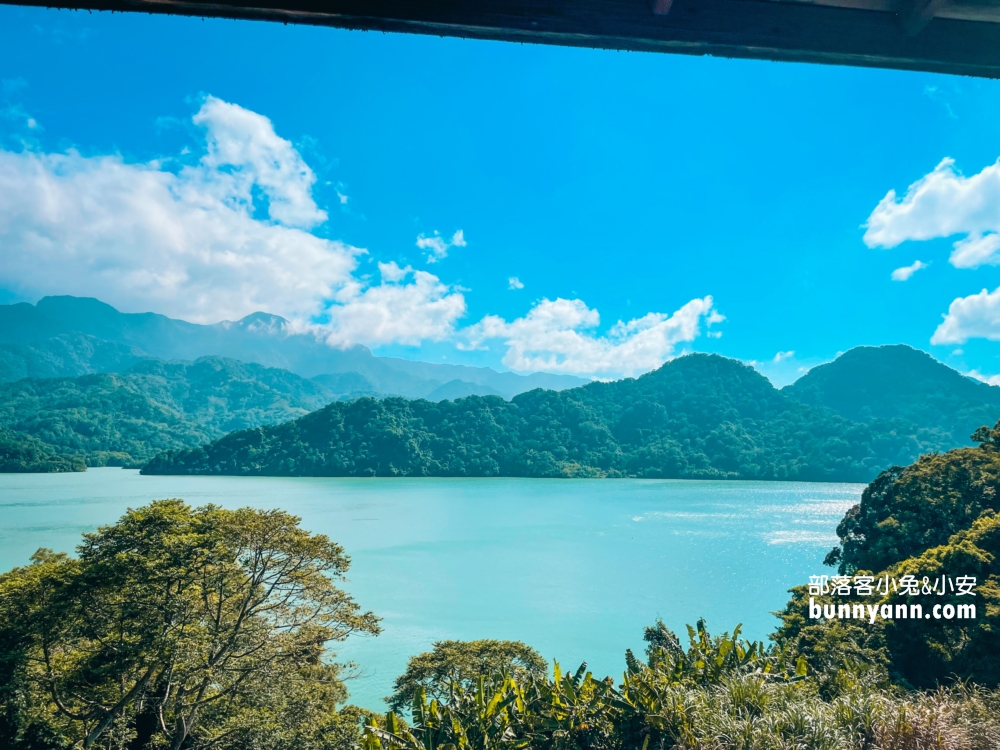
x: 611, y: 186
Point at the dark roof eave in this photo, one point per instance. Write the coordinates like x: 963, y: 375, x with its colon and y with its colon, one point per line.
x: 757, y: 29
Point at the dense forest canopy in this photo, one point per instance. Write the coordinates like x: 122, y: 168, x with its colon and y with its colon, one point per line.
x: 700, y: 416
x: 906, y: 511
x: 936, y: 517
x: 20, y: 453
x: 127, y: 418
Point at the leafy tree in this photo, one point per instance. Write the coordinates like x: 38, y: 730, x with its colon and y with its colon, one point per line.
x: 927, y: 654
x: 717, y: 693
x: 572, y: 711
x: 936, y: 517
x: 177, y: 627
x: 908, y: 510
x: 835, y: 648
x: 707, y: 658
x: 987, y: 437
x: 461, y: 663
x: 20, y: 454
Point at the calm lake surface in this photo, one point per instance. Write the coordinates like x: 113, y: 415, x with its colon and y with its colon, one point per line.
x: 575, y: 568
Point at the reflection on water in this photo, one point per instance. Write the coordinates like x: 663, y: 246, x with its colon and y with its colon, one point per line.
x: 576, y: 568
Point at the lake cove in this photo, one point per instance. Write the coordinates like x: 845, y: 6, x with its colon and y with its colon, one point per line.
x: 575, y: 568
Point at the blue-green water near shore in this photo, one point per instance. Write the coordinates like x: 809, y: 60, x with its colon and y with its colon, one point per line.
x: 576, y: 568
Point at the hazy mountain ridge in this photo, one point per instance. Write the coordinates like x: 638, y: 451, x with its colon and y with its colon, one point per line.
x: 699, y: 416
x: 71, y: 336
x: 65, y: 355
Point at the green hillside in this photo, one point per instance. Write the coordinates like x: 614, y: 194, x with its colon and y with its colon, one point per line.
x: 700, y: 416
x: 127, y: 418
x: 23, y: 454
x: 65, y: 355
x: 901, y: 383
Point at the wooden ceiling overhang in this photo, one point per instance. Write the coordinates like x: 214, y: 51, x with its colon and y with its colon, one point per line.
x: 948, y: 36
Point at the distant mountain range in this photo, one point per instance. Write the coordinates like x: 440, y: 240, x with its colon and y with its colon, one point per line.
x: 71, y: 336
x: 699, y: 416
x: 83, y: 384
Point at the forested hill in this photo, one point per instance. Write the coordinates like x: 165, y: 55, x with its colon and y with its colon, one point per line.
x: 904, y: 384
x: 24, y: 454
x: 127, y: 418
x: 699, y: 416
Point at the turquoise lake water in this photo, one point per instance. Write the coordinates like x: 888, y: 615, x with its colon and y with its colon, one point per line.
x: 575, y: 568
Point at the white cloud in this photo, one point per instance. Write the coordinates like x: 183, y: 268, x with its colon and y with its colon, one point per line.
x: 783, y: 355
x: 230, y: 234
x: 439, y: 246
x: 989, y: 379
x: 975, y: 316
x: 555, y: 336
x: 905, y: 272
x: 244, y: 151
x: 976, y: 250
x: 395, y: 311
x: 941, y: 204
x: 514, y: 283
x: 191, y: 242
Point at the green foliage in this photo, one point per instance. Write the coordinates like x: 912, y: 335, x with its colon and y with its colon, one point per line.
x: 987, y: 437
x: 700, y: 416
x: 207, y: 628
x: 461, y: 663
x: 572, y: 711
x: 747, y: 700
x: 934, y: 518
x: 970, y: 648
x: 126, y: 419
x: 178, y: 627
x: 24, y: 454
x: 708, y: 658
x: 906, y: 511
x: 834, y: 650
